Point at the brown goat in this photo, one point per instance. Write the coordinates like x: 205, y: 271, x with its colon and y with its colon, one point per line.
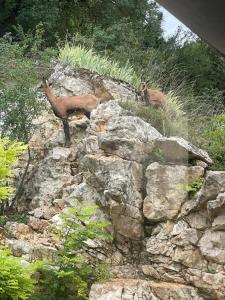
x: 63, y: 106
x: 151, y: 97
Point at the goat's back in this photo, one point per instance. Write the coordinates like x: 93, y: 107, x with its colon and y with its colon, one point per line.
x: 86, y: 102
x: 156, y: 98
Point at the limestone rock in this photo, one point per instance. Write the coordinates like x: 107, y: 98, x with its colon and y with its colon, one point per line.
x: 118, y: 134
x: 179, y: 227
x: 16, y: 230
x: 166, y: 189
x: 216, y: 207
x: 190, y: 257
x: 59, y: 153
x: 219, y: 222
x: 212, y: 245
x: 198, y: 220
x: 126, y: 289
x: 128, y: 137
x: 84, y: 191
x: 38, y: 224
x: 213, y: 185
x: 150, y: 271
x: 186, y: 237
x: 160, y: 244
x: 119, y: 179
x: 69, y: 81
x: 30, y: 250
x: 178, y: 149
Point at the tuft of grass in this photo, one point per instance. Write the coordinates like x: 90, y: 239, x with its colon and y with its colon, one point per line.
x: 86, y: 58
x: 169, y: 121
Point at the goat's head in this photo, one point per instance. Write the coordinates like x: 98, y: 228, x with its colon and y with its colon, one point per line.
x: 43, y: 85
x: 142, y: 87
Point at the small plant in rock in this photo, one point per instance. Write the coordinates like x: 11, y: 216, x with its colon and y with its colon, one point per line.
x: 19, y: 218
x: 192, y: 187
x: 211, y: 271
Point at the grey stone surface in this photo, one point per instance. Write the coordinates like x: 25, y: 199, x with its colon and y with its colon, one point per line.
x: 166, y: 189
x: 178, y: 149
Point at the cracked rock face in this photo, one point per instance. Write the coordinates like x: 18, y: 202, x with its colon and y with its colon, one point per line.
x: 168, y: 243
x: 142, y: 290
x: 166, y: 189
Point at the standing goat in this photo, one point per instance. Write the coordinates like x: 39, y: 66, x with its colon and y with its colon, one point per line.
x: 151, y: 97
x: 63, y: 106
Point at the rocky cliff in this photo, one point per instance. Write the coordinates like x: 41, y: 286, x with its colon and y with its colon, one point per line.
x: 166, y: 209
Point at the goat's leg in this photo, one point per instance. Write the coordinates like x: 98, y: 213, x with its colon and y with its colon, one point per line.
x: 87, y: 114
x: 66, y: 129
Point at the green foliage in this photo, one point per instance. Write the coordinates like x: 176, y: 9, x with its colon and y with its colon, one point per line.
x: 19, y: 218
x: 15, y: 278
x: 88, y: 59
x: 215, y: 136
x: 15, y: 217
x: 18, y: 98
x: 211, y: 271
x: 9, y: 153
x: 68, y: 17
x: 192, y: 187
x: 74, y: 272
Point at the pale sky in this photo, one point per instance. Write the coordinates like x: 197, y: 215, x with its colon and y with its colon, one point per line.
x: 170, y: 23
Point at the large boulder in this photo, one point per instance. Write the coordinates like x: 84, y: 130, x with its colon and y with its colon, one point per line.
x: 213, y: 185
x: 178, y: 149
x: 128, y: 137
x: 120, y: 181
x: 70, y: 81
x: 166, y: 189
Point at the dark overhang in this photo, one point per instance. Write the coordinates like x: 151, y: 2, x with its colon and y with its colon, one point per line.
x: 206, y: 18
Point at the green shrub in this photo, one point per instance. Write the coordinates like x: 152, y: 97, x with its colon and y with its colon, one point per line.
x: 9, y: 152
x: 88, y: 59
x: 19, y: 74
x: 215, y: 136
x: 73, y: 272
x: 15, y: 278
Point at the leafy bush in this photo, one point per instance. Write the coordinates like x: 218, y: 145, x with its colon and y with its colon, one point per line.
x: 19, y: 74
x: 9, y: 152
x: 215, y: 136
x: 88, y: 59
x: 15, y: 278
x: 73, y: 272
